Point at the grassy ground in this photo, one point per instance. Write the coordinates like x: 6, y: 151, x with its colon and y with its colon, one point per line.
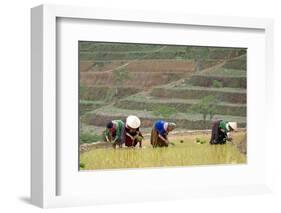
x: 185, y: 152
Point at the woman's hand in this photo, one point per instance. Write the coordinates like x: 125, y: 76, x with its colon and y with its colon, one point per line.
x: 228, y: 137
x: 107, y: 139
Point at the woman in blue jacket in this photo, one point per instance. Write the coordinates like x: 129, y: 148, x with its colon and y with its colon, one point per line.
x: 159, y: 133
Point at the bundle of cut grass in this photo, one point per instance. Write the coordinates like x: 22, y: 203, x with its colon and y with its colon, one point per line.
x: 200, y: 141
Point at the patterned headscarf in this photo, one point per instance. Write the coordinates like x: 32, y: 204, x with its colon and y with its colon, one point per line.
x: 172, y: 126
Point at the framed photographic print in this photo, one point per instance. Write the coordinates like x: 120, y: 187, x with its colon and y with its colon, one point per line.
x: 175, y: 97
x: 148, y: 105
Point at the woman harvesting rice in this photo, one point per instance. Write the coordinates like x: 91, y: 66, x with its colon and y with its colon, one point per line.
x: 113, y: 132
x: 221, y: 131
x: 131, y: 132
x: 159, y: 133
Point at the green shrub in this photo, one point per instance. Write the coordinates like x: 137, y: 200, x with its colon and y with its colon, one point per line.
x: 217, y: 84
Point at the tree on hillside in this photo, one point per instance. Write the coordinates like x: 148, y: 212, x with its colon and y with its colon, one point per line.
x: 206, y: 106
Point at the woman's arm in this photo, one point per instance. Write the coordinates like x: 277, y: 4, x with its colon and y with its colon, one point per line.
x: 106, y: 135
x: 163, y: 139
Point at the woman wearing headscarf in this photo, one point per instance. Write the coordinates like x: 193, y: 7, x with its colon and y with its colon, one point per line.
x: 113, y: 133
x: 221, y: 131
x: 159, y: 133
x: 131, y: 132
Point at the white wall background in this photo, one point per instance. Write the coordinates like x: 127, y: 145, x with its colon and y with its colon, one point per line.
x: 15, y: 107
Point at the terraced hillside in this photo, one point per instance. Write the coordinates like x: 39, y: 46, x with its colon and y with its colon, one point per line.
x: 157, y: 81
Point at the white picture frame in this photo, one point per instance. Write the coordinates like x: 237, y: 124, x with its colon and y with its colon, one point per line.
x: 45, y: 178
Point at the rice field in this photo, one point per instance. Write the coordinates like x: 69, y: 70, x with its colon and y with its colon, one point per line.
x: 185, y: 152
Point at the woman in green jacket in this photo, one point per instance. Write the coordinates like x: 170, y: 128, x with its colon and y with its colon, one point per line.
x: 113, y: 133
x: 221, y: 131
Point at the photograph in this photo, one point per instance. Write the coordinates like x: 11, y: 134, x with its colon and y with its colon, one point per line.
x: 161, y: 105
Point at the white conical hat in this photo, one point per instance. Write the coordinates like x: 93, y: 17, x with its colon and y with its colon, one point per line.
x: 133, y: 121
x: 233, y: 125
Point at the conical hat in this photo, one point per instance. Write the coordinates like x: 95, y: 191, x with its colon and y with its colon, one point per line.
x: 133, y: 121
x: 233, y: 125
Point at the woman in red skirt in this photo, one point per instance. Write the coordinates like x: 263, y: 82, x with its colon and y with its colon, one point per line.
x: 131, y: 132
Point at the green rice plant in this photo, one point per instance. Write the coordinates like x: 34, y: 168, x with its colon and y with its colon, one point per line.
x: 200, y: 141
x: 182, y: 154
